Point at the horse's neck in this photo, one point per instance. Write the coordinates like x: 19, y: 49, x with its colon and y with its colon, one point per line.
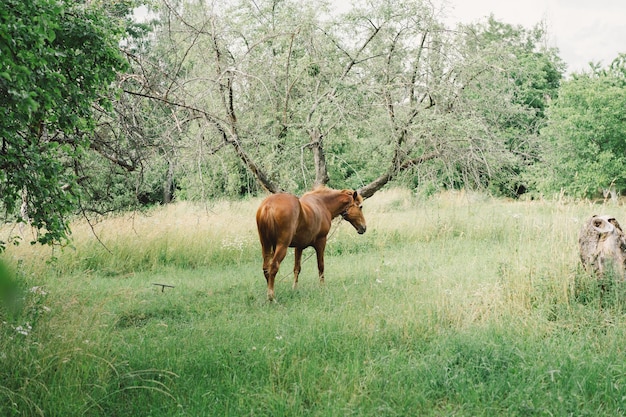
x: 332, y: 203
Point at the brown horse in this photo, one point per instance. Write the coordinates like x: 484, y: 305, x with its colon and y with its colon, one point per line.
x: 285, y: 221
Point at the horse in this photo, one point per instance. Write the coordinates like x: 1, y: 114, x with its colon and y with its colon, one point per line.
x: 286, y: 221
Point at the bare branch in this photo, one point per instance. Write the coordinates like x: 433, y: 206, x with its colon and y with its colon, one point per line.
x: 371, y: 188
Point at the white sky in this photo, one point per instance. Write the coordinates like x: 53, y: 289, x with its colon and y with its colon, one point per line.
x: 583, y: 30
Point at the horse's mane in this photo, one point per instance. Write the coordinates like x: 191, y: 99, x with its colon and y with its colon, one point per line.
x: 321, y: 189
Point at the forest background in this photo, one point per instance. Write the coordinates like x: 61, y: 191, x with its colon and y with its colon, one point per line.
x: 203, y: 100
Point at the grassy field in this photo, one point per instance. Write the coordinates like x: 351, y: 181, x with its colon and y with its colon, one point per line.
x: 459, y: 305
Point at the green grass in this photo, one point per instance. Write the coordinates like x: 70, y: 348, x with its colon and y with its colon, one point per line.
x: 456, y: 306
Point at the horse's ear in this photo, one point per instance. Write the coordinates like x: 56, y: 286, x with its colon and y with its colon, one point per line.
x: 348, y: 194
x: 355, y: 195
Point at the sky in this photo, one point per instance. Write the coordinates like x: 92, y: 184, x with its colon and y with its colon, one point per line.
x: 583, y: 30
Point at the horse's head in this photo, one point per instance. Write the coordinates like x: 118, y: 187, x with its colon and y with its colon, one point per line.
x: 353, y: 212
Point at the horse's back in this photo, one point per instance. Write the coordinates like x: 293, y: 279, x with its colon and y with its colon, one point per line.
x: 277, y: 217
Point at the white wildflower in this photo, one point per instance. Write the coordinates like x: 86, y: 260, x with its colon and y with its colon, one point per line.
x: 38, y: 290
x: 237, y: 243
x: 24, y: 330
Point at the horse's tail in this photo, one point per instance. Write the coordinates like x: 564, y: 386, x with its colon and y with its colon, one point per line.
x: 266, y: 225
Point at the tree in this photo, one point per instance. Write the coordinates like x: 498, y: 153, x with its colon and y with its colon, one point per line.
x: 302, y: 96
x: 585, y: 148
x: 514, y: 111
x: 57, y: 61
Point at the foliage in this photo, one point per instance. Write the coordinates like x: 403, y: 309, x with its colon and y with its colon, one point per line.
x: 584, y: 139
x: 515, y: 111
x: 57, y: 61
x: 226, y: 99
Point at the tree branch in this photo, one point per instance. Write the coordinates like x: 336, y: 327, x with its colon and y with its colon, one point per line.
x: 371, y: 188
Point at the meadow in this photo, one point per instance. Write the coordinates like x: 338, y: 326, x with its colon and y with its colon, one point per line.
x: 455, y: 305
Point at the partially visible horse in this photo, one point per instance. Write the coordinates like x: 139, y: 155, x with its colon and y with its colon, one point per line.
x: 284, y: 221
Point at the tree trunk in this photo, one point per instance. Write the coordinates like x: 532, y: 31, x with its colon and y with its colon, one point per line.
x: 168, y: 184
x: 321, y: 172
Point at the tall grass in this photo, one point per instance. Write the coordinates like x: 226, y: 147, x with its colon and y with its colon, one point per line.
x: 456, y: 305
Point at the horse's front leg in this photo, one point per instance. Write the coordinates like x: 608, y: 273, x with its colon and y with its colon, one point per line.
x: 319, y: 251
x: 297, y: 266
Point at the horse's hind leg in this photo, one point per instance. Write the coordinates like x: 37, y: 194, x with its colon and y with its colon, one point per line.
x: 268, y: 252
x: 297, y: 266
x: 319, y: 251
x: 279, y: 254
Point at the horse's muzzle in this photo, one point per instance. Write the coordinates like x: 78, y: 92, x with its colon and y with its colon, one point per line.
x: 361, y: 229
